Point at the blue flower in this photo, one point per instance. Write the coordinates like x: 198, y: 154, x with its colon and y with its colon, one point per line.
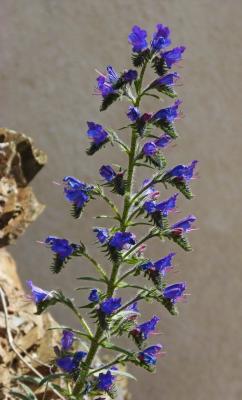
x: 168, y: 114
x: 161, y: 38
x: 67, y: 339
x: 144, y: 330
x: 105, y: 381
x: 167, y: 80
x: 148, y: 355
x: 76, y: 192
x: 107, y: 172
x: 105, y: 82
x: 110, y: 305
x: 164, y: 207
x: 149, y: 149
x: 158, y: 267
x: 133, y: 114
x: 60, y: 246
x: 185, y: 225
x: 163, y: 141
x: 38, y: 294
x: 137, y: 38
x: 150, y: 206
x: 151, y: 191
x: 184, y: 172
x: 129, y: 76
x: 94, y: 296
x: 96, y: 133
x: 122, y: 240
x: 164, y: 264
x: 168, y: 205
x: 70, y: 363
x: 102, y: 234
x: 173, y: 56
x: 133, y: 307
x: 174, y: 292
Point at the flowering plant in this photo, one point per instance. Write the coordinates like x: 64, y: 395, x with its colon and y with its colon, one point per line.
x: 84, y: 375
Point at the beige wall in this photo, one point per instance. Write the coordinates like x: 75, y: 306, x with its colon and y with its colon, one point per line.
x: 48, y: 52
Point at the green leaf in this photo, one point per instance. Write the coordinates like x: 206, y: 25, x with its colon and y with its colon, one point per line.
x: 159, y: 66
x: 182, y: 186
x: 96, y: 147
x: 19, y: 395
x: 111, y: 346
x: 167, y: 128
x: 29, y: 394
x: 123, y: 373
x: 139, y: 59
x: 52, y: 377
x: 157, y: 160
x: 167, y: 90
x: 28, y: 379
x: 90, y: 278
x: 108, y: 100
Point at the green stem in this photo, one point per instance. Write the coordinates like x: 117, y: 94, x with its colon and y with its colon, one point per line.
x: 98, y: 267
x: 117, y: 360
x: 80, y: 382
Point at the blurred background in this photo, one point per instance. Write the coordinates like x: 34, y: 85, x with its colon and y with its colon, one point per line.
x: 49, y: 51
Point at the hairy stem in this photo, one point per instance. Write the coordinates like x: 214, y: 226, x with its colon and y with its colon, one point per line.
x: 123, y: 226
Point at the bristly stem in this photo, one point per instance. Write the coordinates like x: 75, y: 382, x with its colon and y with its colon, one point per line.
x: 111, y: 287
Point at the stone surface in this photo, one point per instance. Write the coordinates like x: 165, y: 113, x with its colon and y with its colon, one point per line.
x: 19, y: 163
x: 49, y: 52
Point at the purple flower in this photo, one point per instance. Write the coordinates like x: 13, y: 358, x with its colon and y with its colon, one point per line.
x: 147, y: 266
x: 150, y: 207
x: 150, y: 192
x: 71, y: 363
x: 161, y: 38
x: 184, y: 172
x: 164, y: 207
x: 144, y: 330
x: 164, y: 264
x: 96, y: 133
x: 133, y: 114
x: 67, y: 339
x: 76, y: 192
x: 94, y: 296
x: 137, y: 38
x: 107, y: 172
x: 185, y: 224
x: 110, y: 305
x: 158, y: 267
x: 102, y: 234
x: 167, y: 206
x: 167, y: 80
x: 130, y: 76
x: 174, y: 292
x: 66, y: 363
x: 149, y: 149
x: 148, y: 355
x: 168, y: 114
x: 38, y: 294
x: 163, y: 141
x: 105, y: 381
x: 122, y: 240
x: 105, y: 82
x: 173, y: 56
x: 59, y: 246
x: 133, y: 307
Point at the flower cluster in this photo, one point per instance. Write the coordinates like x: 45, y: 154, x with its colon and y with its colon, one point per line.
x: 151, y: 133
